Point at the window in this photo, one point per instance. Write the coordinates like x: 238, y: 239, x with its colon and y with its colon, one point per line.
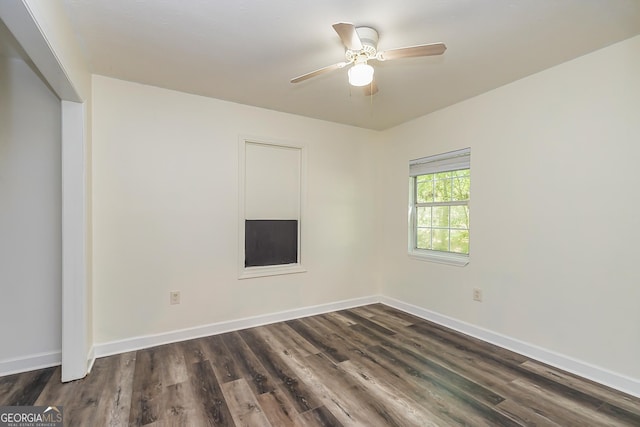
x: 271, y: 191
x: 439, y: 207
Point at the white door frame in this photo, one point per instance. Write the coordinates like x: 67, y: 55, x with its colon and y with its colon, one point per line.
x: 75, y: 348
x: 21, y: 19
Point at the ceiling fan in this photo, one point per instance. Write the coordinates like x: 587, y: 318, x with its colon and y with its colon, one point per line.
x: 361, y: 44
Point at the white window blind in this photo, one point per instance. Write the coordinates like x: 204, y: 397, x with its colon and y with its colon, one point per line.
x: 453, y: 160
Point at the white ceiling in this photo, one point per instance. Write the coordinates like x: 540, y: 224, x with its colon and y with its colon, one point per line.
x: 246, y: 51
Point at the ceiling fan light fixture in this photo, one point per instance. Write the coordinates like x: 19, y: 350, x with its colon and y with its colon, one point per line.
x: 361, y: 74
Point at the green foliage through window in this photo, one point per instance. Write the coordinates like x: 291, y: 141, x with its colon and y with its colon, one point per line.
x: 442, y: 211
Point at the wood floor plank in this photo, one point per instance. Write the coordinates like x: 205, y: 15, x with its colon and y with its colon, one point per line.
x: 222, y: 361
x: 249, y: 367
x: 403, y: 407
x: 362, y: 311
x: 389, y: 322
x: 278, y: 344
x: 357, y: 341
x: 24, y: 389
x: 479, y: 408
x: 278, y: 369
x: 8, y: 387
x: 193, y: 351
x: 56, y: 393
x: 323, y: 343
x: 525, y: 415
x: 319, y: 417
x: 115, y: 401
x: 510, y: 366
x: 467, y: 343
x: 244, y: 406
x: 606, y: 395
x: 506, y: 362
x: 278, y: 408
x: 180, y: 407
x: 427, y: 401
x: 368, y: 323
x: 384, y: 317
x: 335, y: 401
x: 360, y: 401
x: 85, y: 409
x: 146, y: 396
x: 434, y: 372
x: 384, y: 370
x: 173, y: 369
x: 556, y: 407
x: 292, y: 341
x: 343, y: 343
x: 102, y: 398
x: 385, y: 310
x: 338, y: 318
x: 208, y: 395
x: 484, y: 371
x: 622, y: 416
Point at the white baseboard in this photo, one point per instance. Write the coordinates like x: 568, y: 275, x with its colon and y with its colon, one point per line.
x: 30, y: 363
x: 586, y: 370
x: 91, y: 359
x: 146, y: 341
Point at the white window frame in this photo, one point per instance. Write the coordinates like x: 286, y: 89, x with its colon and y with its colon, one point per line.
x: 454, y: 160
x: 268, y: 270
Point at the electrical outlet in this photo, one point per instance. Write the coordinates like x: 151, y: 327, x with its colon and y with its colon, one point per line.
x: 174, y: 297
x: 477, y: 294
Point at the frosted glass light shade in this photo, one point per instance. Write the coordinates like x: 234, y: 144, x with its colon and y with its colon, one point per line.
x: 360, y: 74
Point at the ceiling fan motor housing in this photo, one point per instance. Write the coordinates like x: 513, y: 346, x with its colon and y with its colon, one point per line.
x: 361, y: 45
x: 369, y: 39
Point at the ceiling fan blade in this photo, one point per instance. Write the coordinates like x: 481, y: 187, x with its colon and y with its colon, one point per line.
x: 318, y: 72
x: 348, y: 35
x: 413, y: 51
x: 370, y: 89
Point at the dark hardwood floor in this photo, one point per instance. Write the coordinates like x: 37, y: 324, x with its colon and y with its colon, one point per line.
x: 367, y: 366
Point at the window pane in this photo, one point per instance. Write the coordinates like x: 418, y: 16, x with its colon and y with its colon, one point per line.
x: 459, y: 217
x: 424, y: 217
x: 442, y: 222
x: 423, y: 238
x: 460, y: 188
x: 421, y: 178
x: 440, y: 240
x: 440, y: 216
x: 442, y: 190
x: 462, y: 172
x: 425, y: 192
x: 460, y: 241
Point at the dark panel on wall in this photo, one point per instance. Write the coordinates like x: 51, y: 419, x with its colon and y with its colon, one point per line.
x: 270, y: 242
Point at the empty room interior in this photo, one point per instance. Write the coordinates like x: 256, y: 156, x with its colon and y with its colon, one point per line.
x: 206, y: 218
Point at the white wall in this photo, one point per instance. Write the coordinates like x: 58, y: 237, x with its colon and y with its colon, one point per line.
x: 165, y: 193
x: 554, y: 203
x: 30, y: 219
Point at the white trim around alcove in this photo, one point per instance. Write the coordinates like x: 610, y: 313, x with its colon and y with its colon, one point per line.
x: 22, y: 20
x: 269, y: 270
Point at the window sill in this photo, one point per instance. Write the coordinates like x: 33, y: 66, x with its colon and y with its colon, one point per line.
x: 440, y: 257
x: 271, y: 270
